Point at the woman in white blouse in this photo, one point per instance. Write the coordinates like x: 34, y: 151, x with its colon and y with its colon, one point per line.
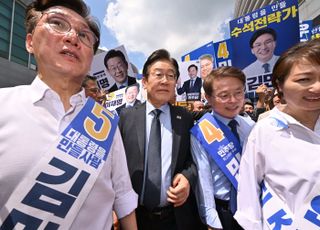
x: 279, y: 181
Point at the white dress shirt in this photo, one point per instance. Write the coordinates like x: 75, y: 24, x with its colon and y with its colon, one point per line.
x: 32, y: 117
x: 212, y: 183
x: 166, y: 147
x: 286, y: 156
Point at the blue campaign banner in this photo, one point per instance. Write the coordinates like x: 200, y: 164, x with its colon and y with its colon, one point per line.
x: 205, y: 55
x: 315, y: 32
x: 305, y: 30
x: 223, y: 53
x: 258, y: 38
x: 197, y: 53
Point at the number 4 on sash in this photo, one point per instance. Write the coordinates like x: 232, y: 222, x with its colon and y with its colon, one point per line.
x: 210, y: 132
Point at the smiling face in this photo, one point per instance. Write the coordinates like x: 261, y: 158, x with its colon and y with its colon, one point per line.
x: 192, y: 72
x: 228, y: 96
x: 60, y: 54
x: 263, y: 47
x: 118, y: 69
x: 206, y: 66
x: 159, y: 86
x: 301, y: 90
x: 131, y: 94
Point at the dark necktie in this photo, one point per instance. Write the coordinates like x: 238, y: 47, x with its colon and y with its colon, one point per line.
x: 153, y: 178
x: 233, y: 192
x: 191, y: 84
x: 122, y: 86
x: 266, y: 67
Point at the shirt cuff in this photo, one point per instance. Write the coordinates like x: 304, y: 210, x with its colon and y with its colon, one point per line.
x: 211, y: 218
x: 246, y: 222
x: 126, y: 204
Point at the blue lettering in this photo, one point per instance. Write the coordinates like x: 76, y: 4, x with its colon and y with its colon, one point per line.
x: 312, y: 215
x: 15, y: 217
x: 38, y: 191
x: 278, y: 220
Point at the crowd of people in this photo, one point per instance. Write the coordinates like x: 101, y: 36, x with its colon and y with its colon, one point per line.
x: 228, y: 164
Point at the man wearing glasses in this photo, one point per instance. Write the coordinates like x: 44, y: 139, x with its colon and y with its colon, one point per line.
x: 157, y: 143
x: 216, y: 142
x: 117, y: 67
x: 61, y: 168
x: 91, y: 89
x: 262, y: 44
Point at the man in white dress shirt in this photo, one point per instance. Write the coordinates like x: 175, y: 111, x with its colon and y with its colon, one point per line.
x: 63, y: 38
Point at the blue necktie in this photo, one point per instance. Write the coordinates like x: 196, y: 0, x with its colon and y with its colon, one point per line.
x: 122, y: 86
x: 153, y: 174
x: 233, y: 192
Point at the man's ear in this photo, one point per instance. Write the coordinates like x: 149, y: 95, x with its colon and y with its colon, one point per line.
x: 29, y: 44
x: 144, y: 82
x: 252, y: 52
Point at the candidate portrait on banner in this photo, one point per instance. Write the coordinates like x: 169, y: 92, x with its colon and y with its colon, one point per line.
x: 259, y: 37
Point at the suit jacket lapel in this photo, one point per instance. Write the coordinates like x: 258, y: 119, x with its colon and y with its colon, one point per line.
x: 176, y: 126
x: 140, y: 120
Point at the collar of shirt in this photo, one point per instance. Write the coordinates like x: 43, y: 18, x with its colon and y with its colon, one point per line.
x: 289, y: 120
x: 272, y: 61
x: 223, y: 119
x: 124, y: 84
x: 42, y: 95
x: 41, y: 90
x: 130, y: 104
x: 164, y: 108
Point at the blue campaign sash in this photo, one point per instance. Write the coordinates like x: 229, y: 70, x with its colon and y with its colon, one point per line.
x: 221, y: 145
x: 51, y: 195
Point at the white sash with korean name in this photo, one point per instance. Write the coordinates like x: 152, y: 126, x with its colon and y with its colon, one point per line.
x: 220, y: 143
x: 51, y: 195
x: 276, y: 214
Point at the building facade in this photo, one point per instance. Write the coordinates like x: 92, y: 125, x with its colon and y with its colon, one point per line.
x: 16, y: 64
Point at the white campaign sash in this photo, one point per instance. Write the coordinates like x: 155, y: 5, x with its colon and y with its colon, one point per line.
x: 277, y: 216
x: 51, y: 195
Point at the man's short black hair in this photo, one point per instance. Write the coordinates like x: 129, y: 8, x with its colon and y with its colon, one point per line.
x: 260, y: 32
x: 192, y: 65
x: 160, y: 55
x: 114, y: 53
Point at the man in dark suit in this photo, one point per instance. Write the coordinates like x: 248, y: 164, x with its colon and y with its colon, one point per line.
x: 171, y: 205
x: 191, y: 87
x: 117, y: 66
x: 131, y: 93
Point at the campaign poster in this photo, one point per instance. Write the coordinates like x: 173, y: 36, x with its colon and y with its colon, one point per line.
x: 110, y: 79
x: 223, y: 53
x: 258, y: 38
x: 315, y: 32
x: 189, y: 83
x: 305, y: 30
x: 195, y: 54
x: 205, y: 55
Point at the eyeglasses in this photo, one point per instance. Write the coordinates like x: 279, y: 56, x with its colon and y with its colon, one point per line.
x: 266, y: 43
x: 225, y: 97
x: 59, y: 24
x: 159, y: 76
x: 118, y: 67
